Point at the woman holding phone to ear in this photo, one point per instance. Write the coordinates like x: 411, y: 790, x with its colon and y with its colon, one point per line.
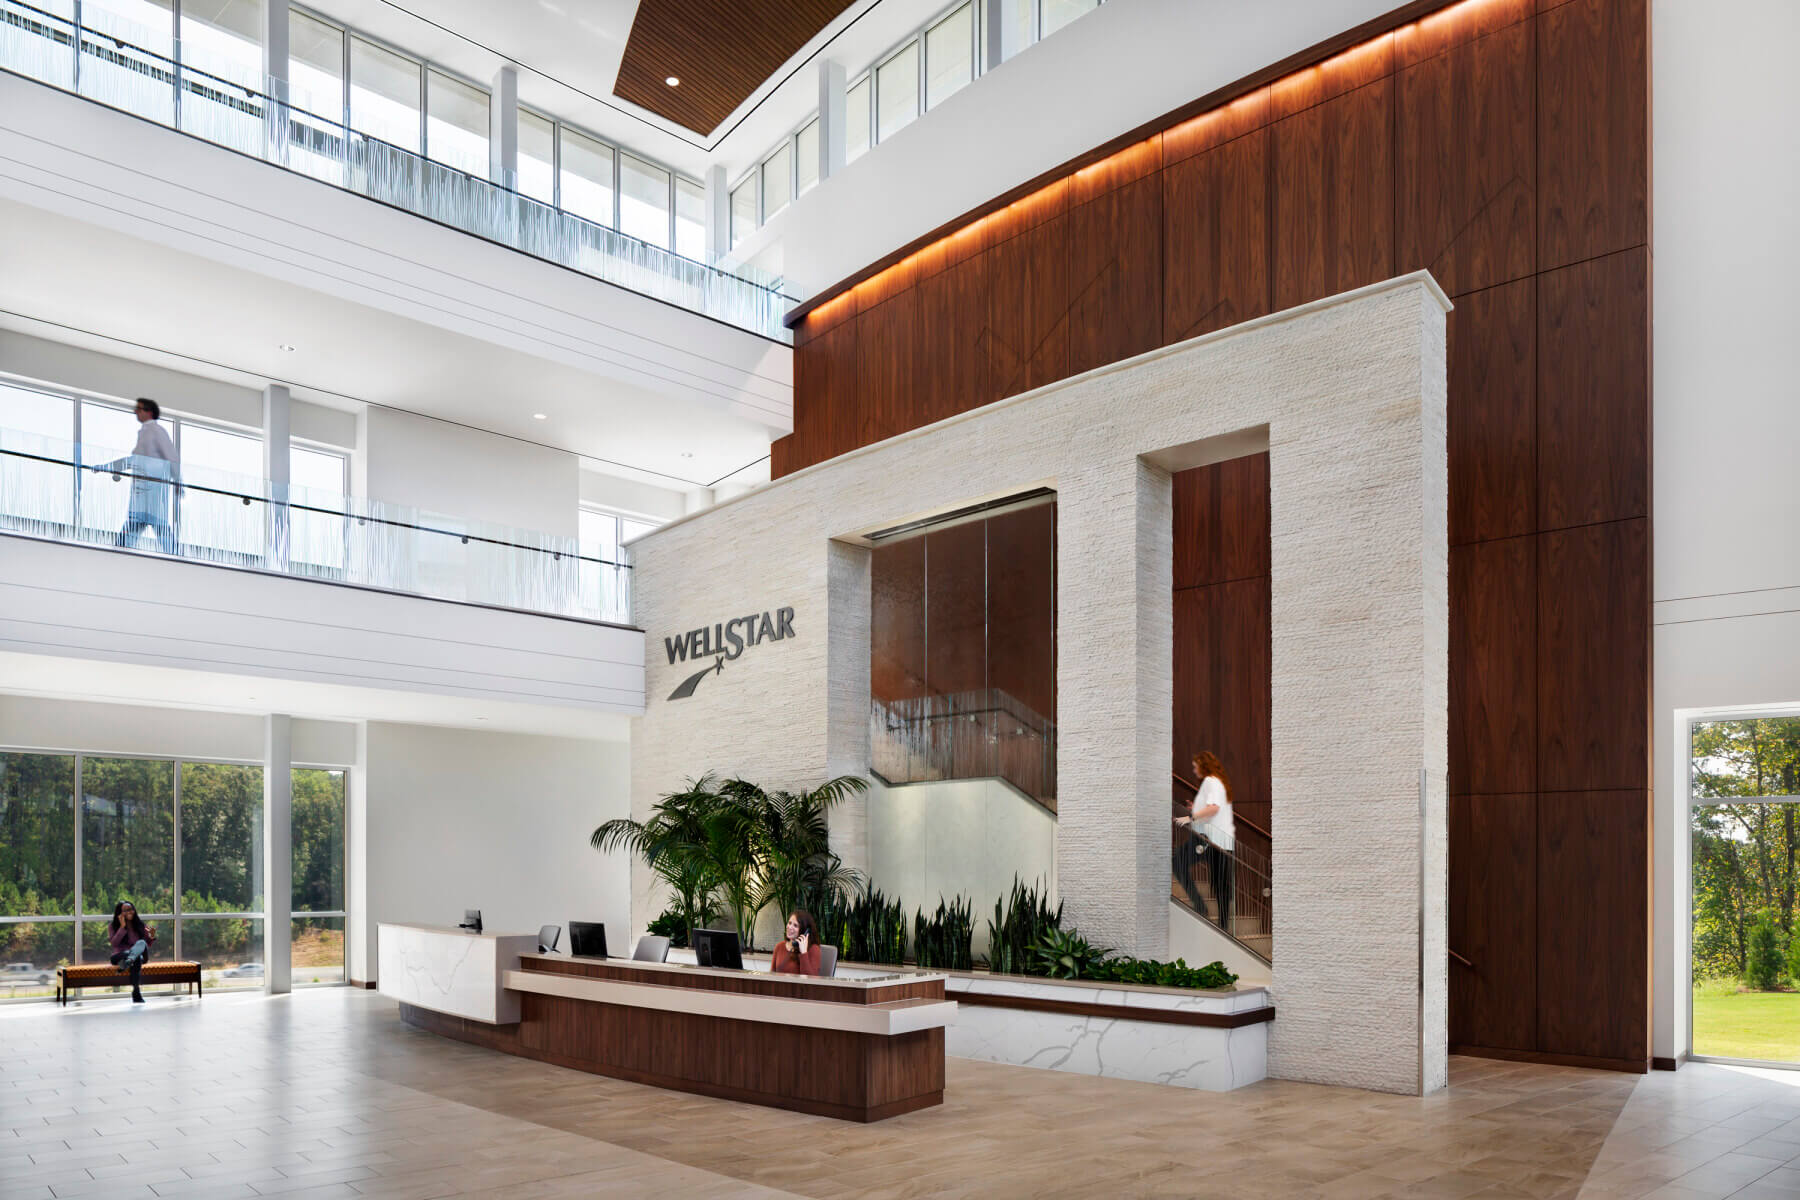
x: 797, y: 953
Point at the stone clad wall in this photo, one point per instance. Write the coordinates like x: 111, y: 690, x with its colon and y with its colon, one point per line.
x: 1352, y: 393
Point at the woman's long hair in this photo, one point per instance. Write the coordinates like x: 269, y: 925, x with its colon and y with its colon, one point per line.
x: 1207, y: 763
x: 137, y: 918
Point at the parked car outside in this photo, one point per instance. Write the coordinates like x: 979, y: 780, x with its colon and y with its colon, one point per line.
x: 249, y: 970
x: 19, y: 972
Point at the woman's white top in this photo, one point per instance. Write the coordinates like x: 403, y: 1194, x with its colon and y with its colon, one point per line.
x: 1218, y: 828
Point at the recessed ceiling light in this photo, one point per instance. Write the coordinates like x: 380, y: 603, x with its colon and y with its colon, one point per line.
x: 540, y: 416
x: 285, y: 348
x: 673, y: 81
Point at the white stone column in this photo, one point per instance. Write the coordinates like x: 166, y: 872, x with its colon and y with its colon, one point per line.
x: 503, y: 128
x: 698, y: 499
x: 1115, y: 703
x: 277, y: 471
x: 832, y: 134
x: 278, y: 851
x: 718, y: 215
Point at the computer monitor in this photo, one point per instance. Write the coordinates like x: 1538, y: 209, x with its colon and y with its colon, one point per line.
x: 587, y: 939
x: 718, y: 948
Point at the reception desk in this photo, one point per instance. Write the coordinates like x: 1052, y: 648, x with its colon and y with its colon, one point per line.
x: 858, y: 1049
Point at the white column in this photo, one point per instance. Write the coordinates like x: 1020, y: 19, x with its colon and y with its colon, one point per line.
x: 831, y: 118
x: 278, y: 851
x: 277, y: 468
x: 359, y: 926
x: 503, y: 128
x: 697, y: 499
x: 718, y: 215
x: 994, y: 37
x: 275, y: 71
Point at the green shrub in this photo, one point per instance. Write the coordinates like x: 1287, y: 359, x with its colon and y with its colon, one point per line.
x: 671, y: 926
x: 1018, y: 921
x: 1794, y: 955
x: 829, y: 905
x: 1764, y: 962
x: 1213, y: 977
x: 875, y: 931
x: 1063, y: 954
x: 944, y: 942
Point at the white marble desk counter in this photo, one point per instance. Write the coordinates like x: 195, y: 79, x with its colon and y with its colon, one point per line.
x: 449, y: 970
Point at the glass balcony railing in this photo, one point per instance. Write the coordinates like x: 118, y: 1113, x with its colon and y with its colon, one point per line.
x: 93, y: 54
x: 98, y: 496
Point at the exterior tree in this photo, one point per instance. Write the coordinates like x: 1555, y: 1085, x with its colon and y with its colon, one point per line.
x: 1766, y: 960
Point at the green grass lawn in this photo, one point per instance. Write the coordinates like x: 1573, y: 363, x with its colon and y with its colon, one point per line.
x: 1733, y: 1024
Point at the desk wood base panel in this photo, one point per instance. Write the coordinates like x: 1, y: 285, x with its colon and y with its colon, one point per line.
x: 853, y: 1077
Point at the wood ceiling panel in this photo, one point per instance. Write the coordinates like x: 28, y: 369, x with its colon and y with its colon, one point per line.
x: 721, y: 50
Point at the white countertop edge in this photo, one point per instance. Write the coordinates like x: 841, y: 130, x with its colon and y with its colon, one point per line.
x: 453, y: 931
x: 1083, y: 991
x: 882, y: 1020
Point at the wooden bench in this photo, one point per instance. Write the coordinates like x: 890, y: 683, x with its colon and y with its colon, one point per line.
x: 107, y: 975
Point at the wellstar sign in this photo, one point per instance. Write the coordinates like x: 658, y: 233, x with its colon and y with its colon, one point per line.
x: 723, y: 642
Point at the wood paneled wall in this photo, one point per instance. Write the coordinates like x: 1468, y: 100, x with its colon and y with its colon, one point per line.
x: 1504, y: 145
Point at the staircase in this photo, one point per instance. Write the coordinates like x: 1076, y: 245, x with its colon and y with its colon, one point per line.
x: 987, y: 733
x: 1191, y: 885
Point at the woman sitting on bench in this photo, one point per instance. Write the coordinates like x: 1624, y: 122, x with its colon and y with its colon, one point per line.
x: 131, y: 940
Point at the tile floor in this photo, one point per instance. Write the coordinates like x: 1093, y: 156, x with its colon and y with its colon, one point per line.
x: 324, y: 1094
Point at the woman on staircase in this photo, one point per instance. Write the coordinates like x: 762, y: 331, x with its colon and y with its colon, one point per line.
x: 1210, y: 820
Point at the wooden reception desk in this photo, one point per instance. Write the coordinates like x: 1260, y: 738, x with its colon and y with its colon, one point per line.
x: 856, y: 1049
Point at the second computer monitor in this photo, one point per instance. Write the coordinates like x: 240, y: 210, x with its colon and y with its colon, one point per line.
x: 718, y: 948
x: 587, y: 939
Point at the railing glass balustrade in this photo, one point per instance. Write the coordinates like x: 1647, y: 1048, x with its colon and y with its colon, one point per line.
x: 203, y: 92
x: 105, y: 496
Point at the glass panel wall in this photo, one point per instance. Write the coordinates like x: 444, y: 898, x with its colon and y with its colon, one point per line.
x: 586, y: 176
x: 221, y: 461
x: 222, y: 72
x: 776, y: 181
x: 806, y: 159
x: 127, y: 48
x: 856, y: 119
x: 384, y: 95
x: 1744, y: 778
x: 537, y: 156
x: 743, y: 210
x: 149, y: 829
x: 690, y: 220
x: 37, y: 871
x: 456, y: 126
x: 897, y: 92
x: 1058, y: 13
x: 316, y: 90
x: 949, y: 55
x: 643, y: 201
x: 317, y: 938
x: 39, y: 494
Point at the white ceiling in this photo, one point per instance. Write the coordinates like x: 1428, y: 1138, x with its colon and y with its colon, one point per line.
x: 568, y: 53
x: 75, y: 282
x: 171, y: 687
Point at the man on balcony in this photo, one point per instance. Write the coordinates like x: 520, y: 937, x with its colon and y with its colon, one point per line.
x: 151, y: 462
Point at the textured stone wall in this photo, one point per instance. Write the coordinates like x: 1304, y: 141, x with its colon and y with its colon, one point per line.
x: 1352, y: 392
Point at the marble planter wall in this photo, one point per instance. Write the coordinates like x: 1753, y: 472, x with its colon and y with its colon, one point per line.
x: 1192, y: 1056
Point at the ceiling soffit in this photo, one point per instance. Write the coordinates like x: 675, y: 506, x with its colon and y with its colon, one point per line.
x: 720, y: 50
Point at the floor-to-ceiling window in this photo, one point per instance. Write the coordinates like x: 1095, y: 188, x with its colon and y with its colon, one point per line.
x: 1744, y: 800
x: 183, y: 841
x: 317, y: 945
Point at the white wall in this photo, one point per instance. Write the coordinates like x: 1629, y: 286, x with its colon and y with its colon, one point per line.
x: 37, y: 723
x: 969, y: 837
x: 500, y: 822
x: 1727, y: 497
x: 460, y: 472
x: 1114, y: 69
x: 631, y: 495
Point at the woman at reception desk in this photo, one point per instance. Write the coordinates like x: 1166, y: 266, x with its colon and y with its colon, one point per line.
x: 796, y: 953
x: 856, y: 1049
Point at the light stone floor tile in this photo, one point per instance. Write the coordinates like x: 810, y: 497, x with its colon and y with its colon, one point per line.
x: 326, y: 1096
